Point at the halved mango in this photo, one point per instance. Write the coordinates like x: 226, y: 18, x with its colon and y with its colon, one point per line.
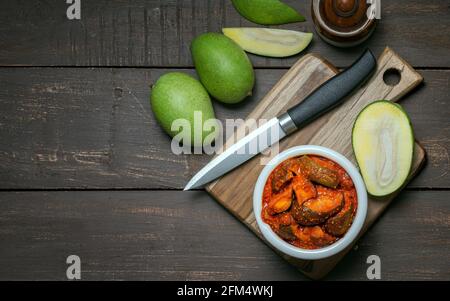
x: 383, y: 143
x: 269, y: 42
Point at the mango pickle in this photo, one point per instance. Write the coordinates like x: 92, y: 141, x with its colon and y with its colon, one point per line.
x: 318, y: 173
x: 317, y: 210
x: 309, y: 201
x: 281, y: 201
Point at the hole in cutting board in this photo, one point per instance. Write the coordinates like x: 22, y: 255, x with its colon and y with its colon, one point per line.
x: 392, y: 77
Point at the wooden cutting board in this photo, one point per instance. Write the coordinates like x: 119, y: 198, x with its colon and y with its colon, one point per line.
x: 235, y: 190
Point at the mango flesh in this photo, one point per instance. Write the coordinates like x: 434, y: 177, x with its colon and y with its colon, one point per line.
x: 267, y: 12
x: 269, y: 42
x: 223, y: 67
x: 383, y: 143
x: 177, y: 96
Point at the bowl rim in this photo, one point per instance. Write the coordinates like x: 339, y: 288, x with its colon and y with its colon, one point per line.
x: 344, y: 241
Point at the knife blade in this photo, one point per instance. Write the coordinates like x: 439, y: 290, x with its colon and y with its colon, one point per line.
x: 329, y: 95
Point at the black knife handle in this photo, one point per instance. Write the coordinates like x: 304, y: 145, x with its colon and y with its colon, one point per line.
x: 333, y: 92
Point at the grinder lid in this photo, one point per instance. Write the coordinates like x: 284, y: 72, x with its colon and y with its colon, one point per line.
x: 342, y: 22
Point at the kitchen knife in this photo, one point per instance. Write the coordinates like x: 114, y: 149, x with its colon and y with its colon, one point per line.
x: 326, y: 97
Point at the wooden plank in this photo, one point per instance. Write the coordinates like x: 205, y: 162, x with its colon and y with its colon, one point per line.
x: 93, y: 128
x: 163, y: 235
x: 158, y: 33
x: 235, y: 189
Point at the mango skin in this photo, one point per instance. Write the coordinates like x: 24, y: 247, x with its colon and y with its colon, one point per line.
x: 177, y: 95
x: 223, y: 67
x: 267, y: 12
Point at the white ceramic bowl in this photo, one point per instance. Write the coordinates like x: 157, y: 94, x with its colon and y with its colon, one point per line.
x: 358, y: 220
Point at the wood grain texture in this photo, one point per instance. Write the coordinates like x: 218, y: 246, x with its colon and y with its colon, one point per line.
x: 333, y: 130
x: 159, y: 33
x: 93, y: 128
x: 163, y: 235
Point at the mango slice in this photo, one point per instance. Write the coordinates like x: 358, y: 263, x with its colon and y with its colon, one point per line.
x: 267, y: 12
x: 269, y: 42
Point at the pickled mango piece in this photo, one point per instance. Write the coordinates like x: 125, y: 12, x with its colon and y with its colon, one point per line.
x: 339, y: 224
x: 281, y: 176
x: 281, y: 201
x: 318, y: 210
x: 286, y: 232
x: 318, y: 173
x: 303, y: 189
x: 313, y: 237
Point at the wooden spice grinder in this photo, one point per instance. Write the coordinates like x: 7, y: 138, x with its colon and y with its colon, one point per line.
x: 342, y: 23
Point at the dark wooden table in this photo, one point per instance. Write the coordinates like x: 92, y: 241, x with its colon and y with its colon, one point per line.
x: 85, y: 169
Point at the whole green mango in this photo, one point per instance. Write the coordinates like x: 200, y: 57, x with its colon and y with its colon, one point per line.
x: 178, y: 96
x: 223, y: 67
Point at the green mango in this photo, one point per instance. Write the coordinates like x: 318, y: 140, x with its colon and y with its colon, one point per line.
x: 223, y: 67
x: 178, y: 96
x: 267, y: 12
x: 383, y: 143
